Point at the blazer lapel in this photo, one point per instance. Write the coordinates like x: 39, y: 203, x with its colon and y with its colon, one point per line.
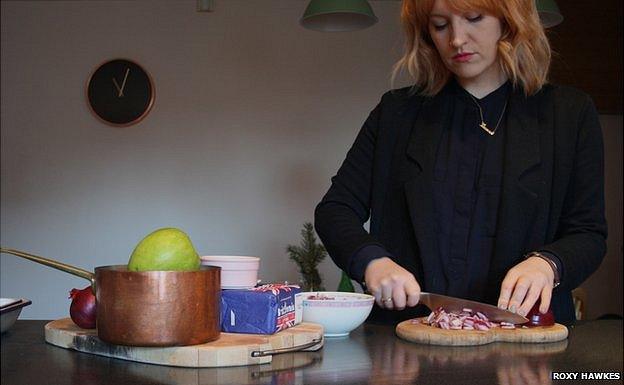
x: 421, y: 149
x: 521, y: 182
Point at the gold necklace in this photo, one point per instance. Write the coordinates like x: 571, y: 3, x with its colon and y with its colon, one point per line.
x: 483, y: 125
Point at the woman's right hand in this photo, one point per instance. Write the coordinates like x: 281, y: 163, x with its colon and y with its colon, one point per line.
x: 392, y: 286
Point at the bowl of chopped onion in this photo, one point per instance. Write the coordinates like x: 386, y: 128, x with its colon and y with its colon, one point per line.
x: 338, y: 312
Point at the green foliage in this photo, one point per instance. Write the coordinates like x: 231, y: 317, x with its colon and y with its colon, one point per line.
x: 345, y: 283
x: 307, y: 256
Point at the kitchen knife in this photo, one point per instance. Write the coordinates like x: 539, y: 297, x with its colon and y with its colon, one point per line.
x: 452, y: 304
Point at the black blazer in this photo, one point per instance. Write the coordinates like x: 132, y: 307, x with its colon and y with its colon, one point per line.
x: 552, y: 196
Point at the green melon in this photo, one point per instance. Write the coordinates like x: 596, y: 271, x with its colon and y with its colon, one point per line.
x: 167, y: 249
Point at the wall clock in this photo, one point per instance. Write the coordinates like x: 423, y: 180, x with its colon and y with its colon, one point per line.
x: 120, y: 92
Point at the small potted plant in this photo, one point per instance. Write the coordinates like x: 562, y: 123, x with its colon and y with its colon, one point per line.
x: 307, y: 256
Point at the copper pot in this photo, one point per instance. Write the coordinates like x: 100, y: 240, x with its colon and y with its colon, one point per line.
x: 150, y: 308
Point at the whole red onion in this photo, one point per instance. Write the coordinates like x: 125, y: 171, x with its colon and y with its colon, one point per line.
x: 538, y: 319
x: 82, y: 308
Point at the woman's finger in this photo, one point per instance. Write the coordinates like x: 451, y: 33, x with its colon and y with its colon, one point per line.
x: 519, y: 293
x: 533, y: 294
x: 506, y: 289
x: 545, y: 299
x: 412, y: 290
x: 386, y: 295
x: 375, y: 290
x: 398, y: 297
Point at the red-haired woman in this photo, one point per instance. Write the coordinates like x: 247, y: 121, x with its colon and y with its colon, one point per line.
x: 481, y: 181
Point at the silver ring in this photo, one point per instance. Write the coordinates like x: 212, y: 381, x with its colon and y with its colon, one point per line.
x: 386, y: 300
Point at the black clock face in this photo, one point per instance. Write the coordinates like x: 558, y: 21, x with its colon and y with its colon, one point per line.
x: 120, y: 92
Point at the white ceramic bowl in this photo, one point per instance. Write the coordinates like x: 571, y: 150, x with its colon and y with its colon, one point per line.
x: 10, y: 309
x: 237, y: 271
x: 338, y: 312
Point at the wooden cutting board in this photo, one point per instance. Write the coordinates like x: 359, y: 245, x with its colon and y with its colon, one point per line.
x: 231, y: 349
x: 425, y: 334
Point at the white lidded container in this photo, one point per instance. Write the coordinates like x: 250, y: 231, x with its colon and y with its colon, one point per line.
x: 237, y: 271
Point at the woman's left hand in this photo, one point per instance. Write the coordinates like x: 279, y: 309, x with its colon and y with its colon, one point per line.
x: 526, y: 282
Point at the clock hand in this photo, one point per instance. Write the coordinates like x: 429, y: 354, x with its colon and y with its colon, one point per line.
x: 120, y: 93
x: 123, y: 84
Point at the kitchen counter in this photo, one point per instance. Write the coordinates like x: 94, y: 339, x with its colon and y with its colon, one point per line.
x: 371, y: 355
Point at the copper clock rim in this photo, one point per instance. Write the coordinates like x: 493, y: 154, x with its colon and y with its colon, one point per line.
x: 140, y: 117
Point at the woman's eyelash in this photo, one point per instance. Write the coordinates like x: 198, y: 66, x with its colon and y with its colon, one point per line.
x: 475, y: 18
x: 472, y: 19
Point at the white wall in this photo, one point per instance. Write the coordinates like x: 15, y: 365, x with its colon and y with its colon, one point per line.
x: 253, y: 115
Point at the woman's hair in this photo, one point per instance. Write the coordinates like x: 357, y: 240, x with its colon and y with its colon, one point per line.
x: 523, y: 49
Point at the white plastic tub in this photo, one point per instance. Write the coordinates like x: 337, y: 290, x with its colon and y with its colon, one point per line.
x: 237, y: 271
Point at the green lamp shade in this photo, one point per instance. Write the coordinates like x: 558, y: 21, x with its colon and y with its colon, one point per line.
x: 338, y: 15
x: 549, y: 13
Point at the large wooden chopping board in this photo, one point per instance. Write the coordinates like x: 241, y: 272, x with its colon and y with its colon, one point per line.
x: 425, y: 334
x: 231, y: 349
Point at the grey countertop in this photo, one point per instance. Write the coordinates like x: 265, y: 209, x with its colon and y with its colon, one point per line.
x: 372, y: 354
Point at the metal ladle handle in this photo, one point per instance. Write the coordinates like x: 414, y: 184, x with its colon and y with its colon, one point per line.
x: 55, y: 264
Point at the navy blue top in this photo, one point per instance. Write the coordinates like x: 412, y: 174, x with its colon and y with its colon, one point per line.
x: 466, y: 189
x: 467, y: 182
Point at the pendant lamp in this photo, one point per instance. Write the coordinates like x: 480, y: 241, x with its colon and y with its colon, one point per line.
x: 205, y: 5
x: 549, y: 13
x: 338, y: 15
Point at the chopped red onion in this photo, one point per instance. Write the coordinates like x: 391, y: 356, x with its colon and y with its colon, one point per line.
x: 465, y: 320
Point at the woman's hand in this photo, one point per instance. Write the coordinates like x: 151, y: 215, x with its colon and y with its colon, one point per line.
x: 393, y: 286
x: 526, y: 282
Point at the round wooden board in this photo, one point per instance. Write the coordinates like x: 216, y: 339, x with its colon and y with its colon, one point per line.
x: 424, y: 334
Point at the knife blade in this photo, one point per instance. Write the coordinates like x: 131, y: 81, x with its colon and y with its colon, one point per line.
x: 452, y: 304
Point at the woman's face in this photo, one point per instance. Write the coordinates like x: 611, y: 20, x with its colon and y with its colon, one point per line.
x: 467, y: 43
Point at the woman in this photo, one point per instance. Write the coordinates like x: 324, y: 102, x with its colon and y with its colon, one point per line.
x: 482, y: 181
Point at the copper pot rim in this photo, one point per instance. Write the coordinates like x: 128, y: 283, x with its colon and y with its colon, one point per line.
x: 124, y: 269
